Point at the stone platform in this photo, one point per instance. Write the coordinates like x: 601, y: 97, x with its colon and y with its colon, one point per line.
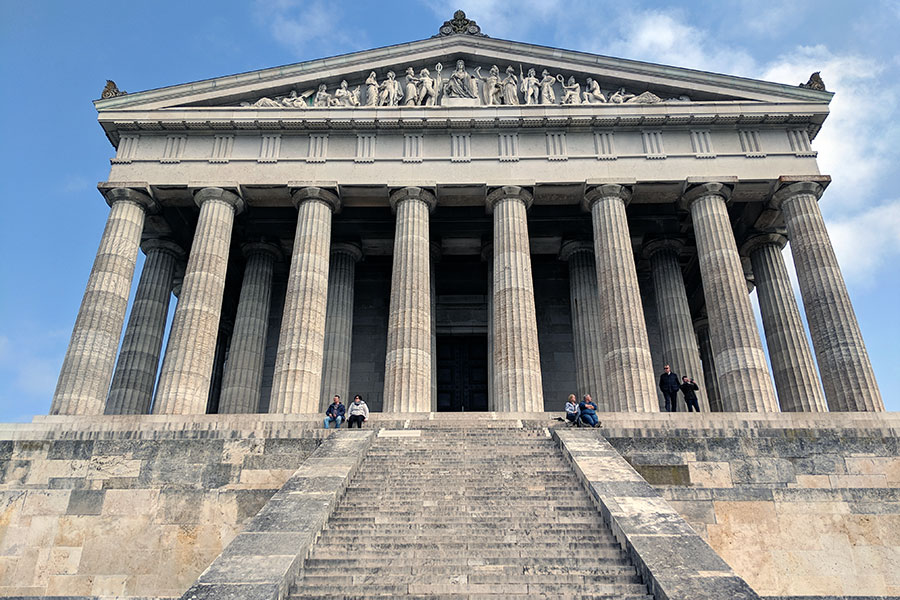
x: 797, y: 505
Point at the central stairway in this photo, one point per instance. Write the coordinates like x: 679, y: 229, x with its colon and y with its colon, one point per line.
x: 456, y: 513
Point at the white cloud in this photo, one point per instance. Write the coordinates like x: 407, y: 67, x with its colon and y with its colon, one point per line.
x: 501, y: 18
x: 867, y: 242
x: 314, y: 26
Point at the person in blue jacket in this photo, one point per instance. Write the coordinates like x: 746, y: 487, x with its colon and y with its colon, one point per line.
x: 587, y: 410
x: 334, y: 413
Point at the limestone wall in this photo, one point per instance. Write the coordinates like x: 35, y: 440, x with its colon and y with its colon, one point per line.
x: 794, y: 511
x: 133, y: 517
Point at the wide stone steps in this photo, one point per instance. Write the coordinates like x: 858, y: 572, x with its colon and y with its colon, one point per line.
x: 451, y: 515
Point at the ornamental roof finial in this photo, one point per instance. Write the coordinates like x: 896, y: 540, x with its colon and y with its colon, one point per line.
x: 459, y: 24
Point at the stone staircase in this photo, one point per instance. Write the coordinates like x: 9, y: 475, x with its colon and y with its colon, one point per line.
x: 456, y: 513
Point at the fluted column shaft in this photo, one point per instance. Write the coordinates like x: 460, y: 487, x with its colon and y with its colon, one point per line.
x: 407, y: 375
x: 679, y: 341
x: 88, y: 365
x: 701, y: 328
x: 517, y: 360
x: 297, y: 381
x: 586, y: 323
x: 792, y: 362
x: 844, y: 365
x: 187, y: 367
x: 744, y: 381
x: 131, y: 391
x: 626, y: 351
x: 243, y: 371
x: 339, y: 323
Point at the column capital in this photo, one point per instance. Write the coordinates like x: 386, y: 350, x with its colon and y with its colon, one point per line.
x: 202, y: 194
x: 412, y: 193
x: 508, y: 191
x: 349, y: 248
x: 570, y: 247
x: 608, y: 190
x: 701, y: 190
x: 165, y: 245
x: 651, y: 247
x: 141, y: 197
x: 260, y: 247
x: 302, y: 194
x: 763, y: 238
x: 787, y: 189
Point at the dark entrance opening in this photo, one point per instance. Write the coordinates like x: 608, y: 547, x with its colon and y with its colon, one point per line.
x: 462, y: 373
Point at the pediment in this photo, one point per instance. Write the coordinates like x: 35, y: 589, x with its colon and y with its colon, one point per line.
x: 297, y: 87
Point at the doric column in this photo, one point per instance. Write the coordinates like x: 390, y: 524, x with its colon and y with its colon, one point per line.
x: 131, y: 392
x: 517, y: 360
x: 339, y: 323
x: 187, y: 367
x: 435, y: 259
x: 626, y: 351
x: 223, y: 346
x: 88, y: 366
x: 297, y: 381
x: 844, y: 364
x: 792, y: 362
x: 487, y: 255
x: 743, y: 377
x: 586, y: 322
x: 679, y: 341
x: 701, y: 328
x: 407, y: 372
x: 243, y: 371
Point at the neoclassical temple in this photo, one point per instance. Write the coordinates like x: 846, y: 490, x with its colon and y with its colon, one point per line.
x: 463, y: 223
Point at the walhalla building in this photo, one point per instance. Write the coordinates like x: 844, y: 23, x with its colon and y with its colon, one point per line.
x: 463, y: 230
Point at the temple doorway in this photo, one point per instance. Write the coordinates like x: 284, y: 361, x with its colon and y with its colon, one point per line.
x: 462, y: 373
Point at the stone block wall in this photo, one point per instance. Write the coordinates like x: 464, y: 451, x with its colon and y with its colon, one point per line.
x: 129, y: 517
x: 795, y: 512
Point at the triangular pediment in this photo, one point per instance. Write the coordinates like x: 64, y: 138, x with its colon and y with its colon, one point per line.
x: 295, y: 86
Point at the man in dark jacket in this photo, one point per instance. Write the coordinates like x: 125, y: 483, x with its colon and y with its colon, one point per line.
x: 688, y: 387
x: 669, y: 384
x: 334, y: 413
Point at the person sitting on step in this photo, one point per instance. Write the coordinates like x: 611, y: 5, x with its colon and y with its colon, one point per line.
x: 358, y: 412
x: 572, y: 411
x: 334, y: 413
x: 587, y: 410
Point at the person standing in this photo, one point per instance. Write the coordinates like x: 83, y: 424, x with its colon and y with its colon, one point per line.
x: 358, y: 412
x: 587, y: 410
x: 688, y: 388
x: 334, y: 413
x: 669, y: 384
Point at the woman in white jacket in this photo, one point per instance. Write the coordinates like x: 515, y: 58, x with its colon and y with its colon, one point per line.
x: 357, y: 412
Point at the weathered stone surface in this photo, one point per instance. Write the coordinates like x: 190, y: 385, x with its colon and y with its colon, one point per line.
x: 297, y: 380
x: 339, y: 323
x: 840, y: 350
x: 90, y: 358
x: 701, y: 328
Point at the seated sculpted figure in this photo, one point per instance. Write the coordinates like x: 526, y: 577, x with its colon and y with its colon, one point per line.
x: 344, y: 97
x: 592, y: 93
x: 620, y: 97
x: 460, y: 84
x: 572, y: 89
x: 322, y: 98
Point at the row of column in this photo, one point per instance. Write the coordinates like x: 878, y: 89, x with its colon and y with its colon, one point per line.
x: 611, y: 347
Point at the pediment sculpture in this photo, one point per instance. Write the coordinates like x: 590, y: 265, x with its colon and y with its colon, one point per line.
x: 462, y: 87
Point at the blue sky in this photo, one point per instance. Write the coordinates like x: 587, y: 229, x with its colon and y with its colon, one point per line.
x: 56, y: 55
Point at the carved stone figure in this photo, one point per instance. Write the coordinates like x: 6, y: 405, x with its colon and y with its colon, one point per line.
x: 292, y: 100
x: 592, y: 93
x: 111, y: 90
x: 815, y: 82
x: 412, y: 87
x: 645, y: 98
x: 572, y: 89
x: 491, y: 91
x: 620, y: 96
x: 510, y: 86
x: 460, y: 84
x: 391, y: 92
x: 344, y: 97
x: 530, y: 86
x: 322, y: 98
x: 429, y: 87
x: 459, y: 24
x: 371, y: 90
x: 548, y: 96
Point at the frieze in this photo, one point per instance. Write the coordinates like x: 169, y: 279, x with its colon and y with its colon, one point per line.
x: 462, y: 87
